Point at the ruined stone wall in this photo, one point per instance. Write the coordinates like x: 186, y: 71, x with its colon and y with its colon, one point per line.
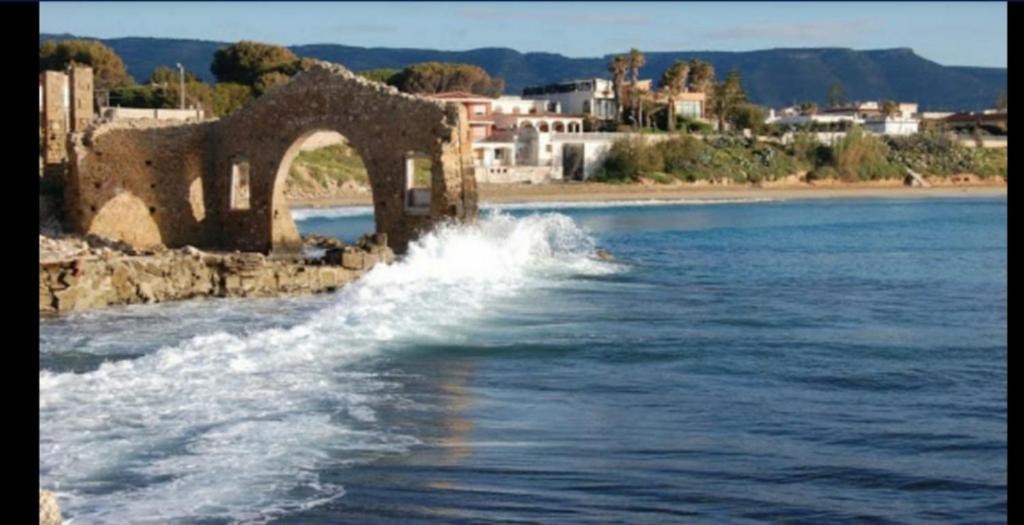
x: 81, y: 84
x: 383, y: 125
x: 172, y: 184
x: 142, y: 183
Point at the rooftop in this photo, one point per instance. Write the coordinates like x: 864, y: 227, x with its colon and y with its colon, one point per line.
x: 459, y: 95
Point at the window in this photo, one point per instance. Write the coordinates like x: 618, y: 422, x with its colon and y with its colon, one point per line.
x: 418, y: 178
x: 240, y: 185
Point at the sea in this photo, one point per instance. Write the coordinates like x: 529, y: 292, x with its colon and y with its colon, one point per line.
x: 766, y: 361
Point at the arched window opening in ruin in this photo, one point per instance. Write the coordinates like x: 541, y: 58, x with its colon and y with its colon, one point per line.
x: 544, y: 127
x: 559, y: 127
x: 321, y: 163
x: 418, y: 183
x: 240, y: 184
x: 526, y: 124
x: 325, y: 162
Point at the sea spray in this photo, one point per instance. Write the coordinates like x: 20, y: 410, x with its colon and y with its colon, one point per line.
x: 236, y: 426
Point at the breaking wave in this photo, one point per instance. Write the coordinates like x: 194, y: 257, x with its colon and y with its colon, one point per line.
x: 236, y: 427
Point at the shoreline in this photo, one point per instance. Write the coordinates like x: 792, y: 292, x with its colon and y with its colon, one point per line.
x: 602, y: 192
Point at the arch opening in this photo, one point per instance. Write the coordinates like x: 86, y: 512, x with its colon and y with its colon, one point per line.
x: 320, y: 164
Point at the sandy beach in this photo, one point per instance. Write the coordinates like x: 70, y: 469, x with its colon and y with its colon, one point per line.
x: 599, y: 192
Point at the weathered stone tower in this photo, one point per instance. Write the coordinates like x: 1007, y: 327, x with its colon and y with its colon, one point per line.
x: 81, y: 84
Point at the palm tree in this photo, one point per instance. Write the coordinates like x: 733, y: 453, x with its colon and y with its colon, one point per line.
x: 673, y: 82
x: 617, y: 67
x: 808, y: 108
x: 728, y: 94
x: 836, y: 95
x: 636, y: 61
x: 700, y: 77
x: 890, y: 108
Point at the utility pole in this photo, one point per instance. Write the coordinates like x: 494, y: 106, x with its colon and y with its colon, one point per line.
x: 181, y: 71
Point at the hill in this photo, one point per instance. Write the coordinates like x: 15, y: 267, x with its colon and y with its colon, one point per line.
x: 773, y: 77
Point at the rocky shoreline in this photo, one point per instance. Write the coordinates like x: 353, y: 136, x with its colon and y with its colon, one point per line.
x: 78, y: 274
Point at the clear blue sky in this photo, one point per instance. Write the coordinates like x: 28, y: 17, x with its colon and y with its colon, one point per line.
x: 951, y: 33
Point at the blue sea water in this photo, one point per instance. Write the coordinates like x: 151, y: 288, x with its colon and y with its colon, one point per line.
x: 824, y: 361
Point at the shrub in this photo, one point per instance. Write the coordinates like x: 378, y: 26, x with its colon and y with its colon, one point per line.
x: 859, y: 156
x: 692, y: 125
x: 808, y: 152
x: 681, y: 154
x: 629, y: 159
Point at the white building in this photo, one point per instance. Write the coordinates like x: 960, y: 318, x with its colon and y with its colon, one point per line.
x: 509, y: 104
x: 895, y: 125
x: 904, y: 121
x: 594, y: 97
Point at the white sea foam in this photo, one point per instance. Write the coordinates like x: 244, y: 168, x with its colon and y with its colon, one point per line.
x: 304, y: 214
x: 237, y: 427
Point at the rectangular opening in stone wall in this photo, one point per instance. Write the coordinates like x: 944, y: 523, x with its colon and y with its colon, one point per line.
x: 418, y: 176
x: 240, y: 185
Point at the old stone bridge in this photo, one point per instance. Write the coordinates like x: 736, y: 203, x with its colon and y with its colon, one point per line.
x: 220, y: 184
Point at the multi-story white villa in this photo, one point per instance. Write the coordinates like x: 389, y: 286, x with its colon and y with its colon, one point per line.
x: 594, y: 96
x: 510, y: 104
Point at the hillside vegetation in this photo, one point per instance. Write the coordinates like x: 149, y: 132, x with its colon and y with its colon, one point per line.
x: 857, y: 157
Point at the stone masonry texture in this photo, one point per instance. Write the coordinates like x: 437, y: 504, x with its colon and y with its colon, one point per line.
x: 166, y: 184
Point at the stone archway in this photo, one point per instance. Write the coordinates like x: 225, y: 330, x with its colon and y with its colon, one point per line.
x: 385, y: 126
x: 220, y: 184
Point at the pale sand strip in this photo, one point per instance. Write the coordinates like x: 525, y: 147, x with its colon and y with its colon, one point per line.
x: 596, y: 192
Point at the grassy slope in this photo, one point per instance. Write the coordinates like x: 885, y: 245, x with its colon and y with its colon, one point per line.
x: 319, y: 169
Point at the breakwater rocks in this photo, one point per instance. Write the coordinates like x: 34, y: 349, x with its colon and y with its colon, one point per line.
x: 77, y: 274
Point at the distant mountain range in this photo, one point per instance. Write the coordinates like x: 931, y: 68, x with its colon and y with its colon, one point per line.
x: 773, y: 77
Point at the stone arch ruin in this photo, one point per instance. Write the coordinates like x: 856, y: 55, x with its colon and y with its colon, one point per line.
x: 220, y: 184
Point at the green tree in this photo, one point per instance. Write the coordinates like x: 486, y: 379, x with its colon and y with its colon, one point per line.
x: 890, y: 108
x: 438, y: 77
x: 636, y: 60
x: 700, y: 77
x: 749, y: 116
x: 808, y: 108
x: 169, y: 75
x: 107, y: 68
x: 673, y: 82
x: 382, y: 75
x: 836, y: 95
x: 728, y: 94
x: 269, y: 80
x: 247, y: 61
x: 617, y: 66
x: 229, y: 96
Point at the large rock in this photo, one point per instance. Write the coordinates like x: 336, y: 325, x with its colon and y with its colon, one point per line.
x: 76, y: 279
